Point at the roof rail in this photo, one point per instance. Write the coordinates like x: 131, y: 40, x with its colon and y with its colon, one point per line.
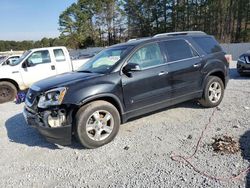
x: 136, y: 39
x: 180, y: 33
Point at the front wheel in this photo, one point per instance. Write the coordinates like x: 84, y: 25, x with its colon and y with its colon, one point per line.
x: 213, y: 92
x: 97, y: 124
x: 8, y: 92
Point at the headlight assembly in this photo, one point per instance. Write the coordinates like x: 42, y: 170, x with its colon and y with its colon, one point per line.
x: 52, y: 97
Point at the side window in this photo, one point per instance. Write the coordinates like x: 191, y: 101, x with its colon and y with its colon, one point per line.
x: 13, y: 59
x: 178, y: 50
x: 39, y: 57
x: 147, y: 56
x: 59, y: 55
x: 208, y: 44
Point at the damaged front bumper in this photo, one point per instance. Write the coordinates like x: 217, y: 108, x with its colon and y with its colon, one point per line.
x: 60, y: 135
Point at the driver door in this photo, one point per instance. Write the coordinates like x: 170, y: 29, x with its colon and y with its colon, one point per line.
x: 149, y: 85
x: 38, y: 66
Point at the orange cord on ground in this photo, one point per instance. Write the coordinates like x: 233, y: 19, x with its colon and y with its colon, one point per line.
x: 180, y: 158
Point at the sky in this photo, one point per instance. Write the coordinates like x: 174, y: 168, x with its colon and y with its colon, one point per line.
x: 30, y: 19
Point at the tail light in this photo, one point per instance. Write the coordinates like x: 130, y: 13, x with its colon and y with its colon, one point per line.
x: 229, y: 58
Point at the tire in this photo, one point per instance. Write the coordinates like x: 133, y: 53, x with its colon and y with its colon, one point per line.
x: 8, y: 92
x: 93, y: 130
x: 211, y: 97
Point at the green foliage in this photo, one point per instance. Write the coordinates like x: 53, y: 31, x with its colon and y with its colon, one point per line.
x: 26, y: 45
x: 93, y: 23
x: 108, y: 22
x: 89, y: 23
x: 228, y: 20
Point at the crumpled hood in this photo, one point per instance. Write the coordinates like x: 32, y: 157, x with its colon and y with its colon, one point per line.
x: 62, y: 80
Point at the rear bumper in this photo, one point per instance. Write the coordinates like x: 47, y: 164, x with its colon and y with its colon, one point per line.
x: 243, y: 67
x: 60, y: 135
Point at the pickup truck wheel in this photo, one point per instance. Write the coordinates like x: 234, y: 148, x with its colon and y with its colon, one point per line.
x: 8, y: 92
x: 213, y: 92
x: 97, y: 124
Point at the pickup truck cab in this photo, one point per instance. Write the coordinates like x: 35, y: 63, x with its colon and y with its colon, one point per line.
x: 32, y: 66
x: 125, y: 81
x: 9, y: 60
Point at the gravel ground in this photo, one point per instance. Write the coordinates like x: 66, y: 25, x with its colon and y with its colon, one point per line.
x: 140, y: 154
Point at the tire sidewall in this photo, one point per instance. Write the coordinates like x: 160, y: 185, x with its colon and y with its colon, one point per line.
x: 13, y: 91
x: 210, y: 80
x: 82, y: 119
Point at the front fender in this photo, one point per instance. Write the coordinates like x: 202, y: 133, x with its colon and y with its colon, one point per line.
x: 103, y: 87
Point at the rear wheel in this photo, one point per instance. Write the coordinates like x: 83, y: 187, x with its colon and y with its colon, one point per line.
x: 97, y: 124
x: 213, y: 92
x: 8, y: 92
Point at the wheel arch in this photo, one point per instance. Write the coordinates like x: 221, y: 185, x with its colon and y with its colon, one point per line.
x: 11, y: 81
x: 112, y: 99
x: 219, y: 74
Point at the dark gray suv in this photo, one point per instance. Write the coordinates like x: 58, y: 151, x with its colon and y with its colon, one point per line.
x: 125, y: 81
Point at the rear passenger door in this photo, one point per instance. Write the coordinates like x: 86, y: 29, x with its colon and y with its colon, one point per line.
x: 62, y: 64
x: 184, y: 66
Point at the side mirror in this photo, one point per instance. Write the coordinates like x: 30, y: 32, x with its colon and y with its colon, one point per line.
x: 25, y: 64
x: 7, y: 62
x: 131, y: 67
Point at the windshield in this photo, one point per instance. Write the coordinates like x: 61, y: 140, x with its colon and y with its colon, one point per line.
x: 25, y: 54
x: 104, y: 61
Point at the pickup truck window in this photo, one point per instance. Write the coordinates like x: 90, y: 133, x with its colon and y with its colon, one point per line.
x: 103, y: 62
x: 25, y: 54
x: 59, y: 55
x: 13, y: 59
x: 39, y: 57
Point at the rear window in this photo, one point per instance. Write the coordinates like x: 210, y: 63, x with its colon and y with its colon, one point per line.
x: 208, y: 44
x: 178, y: 50
x: 59, y: 55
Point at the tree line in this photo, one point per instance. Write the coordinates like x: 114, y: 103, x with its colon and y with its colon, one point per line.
x: 26, y: 45
x: 106, y: 22
x: 89, y: 23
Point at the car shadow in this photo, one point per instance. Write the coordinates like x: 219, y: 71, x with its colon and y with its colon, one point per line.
x: 245, y: 152
x: 194, y: 104
x: 19, y: 132
x: 235, y: 75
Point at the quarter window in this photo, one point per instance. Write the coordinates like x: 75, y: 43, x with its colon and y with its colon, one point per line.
x: 178, y: 49
x: 148, y: 56
x: 208, y: 44
x: 59, y: 55
x: 39, y: 57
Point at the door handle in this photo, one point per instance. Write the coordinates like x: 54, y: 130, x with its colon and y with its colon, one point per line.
x: 162, y: 73
x: 197, y: 65
x: 53, y: 67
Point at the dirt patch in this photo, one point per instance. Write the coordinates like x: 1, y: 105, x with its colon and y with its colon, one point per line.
x: 225, y: 145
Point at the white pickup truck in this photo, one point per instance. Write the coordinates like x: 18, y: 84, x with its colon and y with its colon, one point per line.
x: 6, y: 60
x: 32, y: 66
